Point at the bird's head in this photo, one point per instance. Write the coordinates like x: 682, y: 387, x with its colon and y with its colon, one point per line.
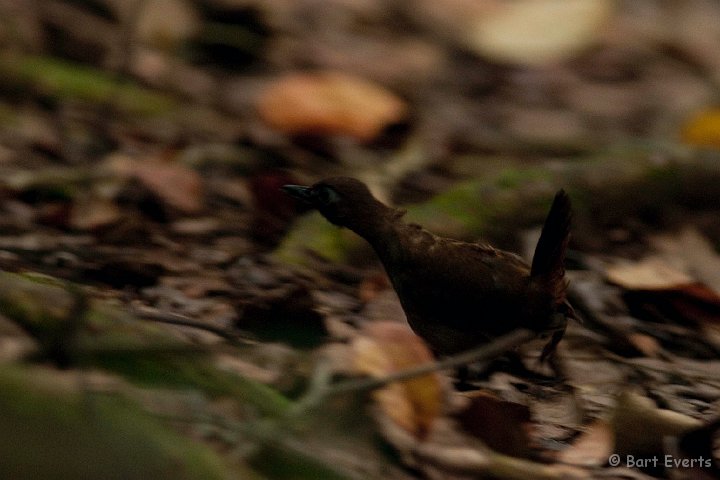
x: 344, y: 201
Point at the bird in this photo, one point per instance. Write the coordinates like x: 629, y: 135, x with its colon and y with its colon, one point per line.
x: 456, y: 295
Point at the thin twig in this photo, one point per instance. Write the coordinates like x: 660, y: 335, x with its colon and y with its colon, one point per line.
x: 138, y: 351
x: 183, y: 321
x: 316, y: 392
x: 493, y: 349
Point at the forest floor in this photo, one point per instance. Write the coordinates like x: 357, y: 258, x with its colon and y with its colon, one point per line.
x: 166, y: 311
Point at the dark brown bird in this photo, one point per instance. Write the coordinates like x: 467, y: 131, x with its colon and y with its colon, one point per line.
x: 456, y: 295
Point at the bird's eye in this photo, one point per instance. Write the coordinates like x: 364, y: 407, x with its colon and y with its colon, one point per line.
x: 326, y: 195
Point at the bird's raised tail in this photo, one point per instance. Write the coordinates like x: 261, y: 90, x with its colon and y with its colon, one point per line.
x: 549, y: 259
x: 548, y: 267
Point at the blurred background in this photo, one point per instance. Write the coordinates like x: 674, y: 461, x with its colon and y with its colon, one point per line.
x: 410, y: 97
x: 157, y: 282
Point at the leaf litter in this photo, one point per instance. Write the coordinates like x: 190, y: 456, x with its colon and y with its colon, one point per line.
x: 166, y: 222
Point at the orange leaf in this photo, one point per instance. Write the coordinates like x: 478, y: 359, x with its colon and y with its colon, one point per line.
x: 387, y: 347
x: 646, y: 344
x: 371, y: 286
x: 329, y: 103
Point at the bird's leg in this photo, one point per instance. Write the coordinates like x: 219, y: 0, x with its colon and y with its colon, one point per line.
x: 516, y: 366
x: 462, y: 373
x: 465, y: 374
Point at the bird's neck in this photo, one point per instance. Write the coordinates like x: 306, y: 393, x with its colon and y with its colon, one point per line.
x: 380, y: 227
x: 383, y: 231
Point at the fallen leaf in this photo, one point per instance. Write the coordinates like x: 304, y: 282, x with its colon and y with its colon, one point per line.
x: 329, y: 103
x: 166, y: 23
x: 173, y: 183
x: 646, y: 344
x: 384, y: 348
x: 651, y: 273
x: 697, y: 303
x: 662, y: 292
x: 372, y: 286
x: 639, y: 425
x: 93, y: 212
x: 501, y: 424
x: 470, y: 462
x: 691, y: 251
x: 702, y: 129
x: 592, y: 448
x: 197, y: 226
x: 535, y: 32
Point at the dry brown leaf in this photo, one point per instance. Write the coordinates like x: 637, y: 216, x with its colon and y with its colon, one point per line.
x: 92, y: 212
x: 501, y: 424
x: 372, y: 286
x: 592, y: 448
x: 166, y: 23
x: 478, y: 463
x: 329, y: 103
x: 691, y: 251
x: 387, y: 347
x: 697, y: 303
x: 645, y: 344
x: 639, y: 425
x: 657, y: 289
x: 175, y: 184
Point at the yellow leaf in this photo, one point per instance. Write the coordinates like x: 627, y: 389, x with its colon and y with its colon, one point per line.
x: 703, y: 129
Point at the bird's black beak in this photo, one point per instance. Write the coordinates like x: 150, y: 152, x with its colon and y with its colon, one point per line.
x: 298, y: 191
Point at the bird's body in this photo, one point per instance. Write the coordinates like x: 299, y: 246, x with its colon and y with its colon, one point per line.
x: 456, y: 295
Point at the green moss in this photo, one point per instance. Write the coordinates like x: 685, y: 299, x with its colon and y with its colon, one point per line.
x: 36, y: 302
x: 197, y: 372
x: 8, y: 115
x: 666, y: 178
x: 142, y: 353
x: 313, y: 232
x: 468, y: 209
x: 112, y: 339
x: 281, y: 464
x: 452, y: 212
x: 65, y: 80
x: 52, y: 435
x: 515, y: 177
